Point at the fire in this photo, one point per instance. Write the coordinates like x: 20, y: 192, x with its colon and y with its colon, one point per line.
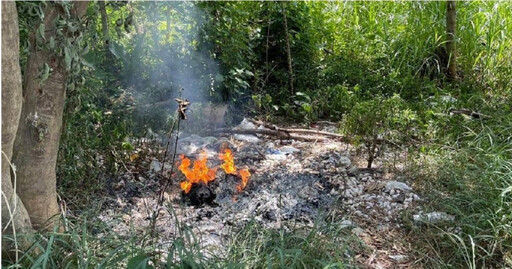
x: 230, y: 168
x: 244, y: 174
x: 229, y: 163
x: 201, y: 173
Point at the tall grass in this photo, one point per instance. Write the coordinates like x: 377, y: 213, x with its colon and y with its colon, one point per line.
x: 400, y: 41
x: 381, y: 48
x: 472, y: 179
x: 92, y: 244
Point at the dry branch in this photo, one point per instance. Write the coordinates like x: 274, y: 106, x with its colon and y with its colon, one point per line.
x: 300, y: 134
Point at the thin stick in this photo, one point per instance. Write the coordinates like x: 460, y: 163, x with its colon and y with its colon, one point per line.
x: 158, y: 206
x: 167, y: 147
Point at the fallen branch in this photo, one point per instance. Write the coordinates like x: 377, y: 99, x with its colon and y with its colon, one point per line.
x: 301, y: 134
x: 468, y: 112
x: 298, y: 130
x: 279, y: 134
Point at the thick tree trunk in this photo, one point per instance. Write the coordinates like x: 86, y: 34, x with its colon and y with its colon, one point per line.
x: 451, y: 26
x: 288, y: 51
x: 104, y: 23
x: 15, y: 219
x: 37, y: 141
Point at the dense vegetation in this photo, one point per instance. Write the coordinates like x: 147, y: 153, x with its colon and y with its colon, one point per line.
x: 378, y: 69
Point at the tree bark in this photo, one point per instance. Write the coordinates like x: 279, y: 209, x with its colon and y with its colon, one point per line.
x: 15, y: 219
x: 288, y: 51
x: 37, y: 141
x: 104, y: 24
x: 451, y: 26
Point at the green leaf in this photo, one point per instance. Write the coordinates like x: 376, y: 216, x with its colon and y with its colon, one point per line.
x: 51, y: 44
x: 138, y: 262
x: 44, y: 74
x: 72, y: 28
x: 219, y: 78
x: 40, y: 31
x: 307, y: 107
x: 67, y: 58
x: 127, y: 146
x: 85, y: 50
x: 87, y: 64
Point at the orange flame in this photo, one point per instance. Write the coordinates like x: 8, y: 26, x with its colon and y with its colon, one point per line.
x: 199, y: 172
x: 244, y: 174
x: 229, y: 163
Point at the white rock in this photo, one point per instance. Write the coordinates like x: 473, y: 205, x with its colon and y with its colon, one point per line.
x: 155, y: 166
x: 346, y: 224
x: 392, y: 192
x: 246, y: 138
x: 358, y: 231
x: 344, y: 161
x: 246, y: 125
x: 433, y: 217
x: 391, y: 185
x: 288, y: 149
x: 356, y: 191
x: 398, y: 258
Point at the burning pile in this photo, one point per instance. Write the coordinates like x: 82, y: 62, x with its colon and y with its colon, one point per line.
x: 201, y: 173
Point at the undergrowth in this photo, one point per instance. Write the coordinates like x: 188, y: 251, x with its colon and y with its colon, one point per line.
x: 91, y: 243
x: 470, y: 176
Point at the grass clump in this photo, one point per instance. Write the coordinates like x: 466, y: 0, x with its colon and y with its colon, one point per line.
x: 317, y: 247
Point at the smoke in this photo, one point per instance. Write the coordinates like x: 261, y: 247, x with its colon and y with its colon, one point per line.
x: 184, y: 59
x: 168, y: 52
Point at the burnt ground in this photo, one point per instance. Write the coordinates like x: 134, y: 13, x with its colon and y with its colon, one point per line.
x: 293, y: 184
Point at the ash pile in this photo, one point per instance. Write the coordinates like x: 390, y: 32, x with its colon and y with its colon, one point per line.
x: 291, y: 184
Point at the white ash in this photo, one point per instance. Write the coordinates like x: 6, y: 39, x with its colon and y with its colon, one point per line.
x: 291, y: 185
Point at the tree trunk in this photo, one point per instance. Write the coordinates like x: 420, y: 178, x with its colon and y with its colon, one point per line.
x: 104, y: 24
x: 37, y: 141
x: 288, y: 51
x: 451, y: 25
x: 15, y: 219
